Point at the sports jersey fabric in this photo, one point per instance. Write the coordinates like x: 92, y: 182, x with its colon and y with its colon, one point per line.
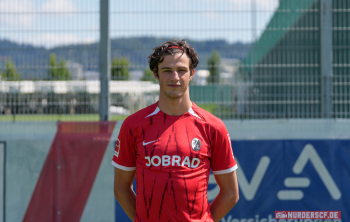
x: 172, y: 156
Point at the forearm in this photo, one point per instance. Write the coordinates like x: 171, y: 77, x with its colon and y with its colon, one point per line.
x: 222, y: 204
x: 127, y: 200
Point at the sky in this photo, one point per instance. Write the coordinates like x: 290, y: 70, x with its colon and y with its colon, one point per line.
x: 50, y: 23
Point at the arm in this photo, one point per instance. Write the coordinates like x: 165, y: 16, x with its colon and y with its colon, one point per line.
x: 227, y: 197
x: 123, y: 191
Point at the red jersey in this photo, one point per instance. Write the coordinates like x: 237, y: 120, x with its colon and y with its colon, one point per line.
x: 172, y: 156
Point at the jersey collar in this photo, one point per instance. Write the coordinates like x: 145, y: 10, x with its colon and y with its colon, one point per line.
x: 190, y: 111
x: 154, y: 112
x: 193, y: 113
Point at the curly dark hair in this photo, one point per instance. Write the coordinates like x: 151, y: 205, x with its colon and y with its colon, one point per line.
x: 159, y: 52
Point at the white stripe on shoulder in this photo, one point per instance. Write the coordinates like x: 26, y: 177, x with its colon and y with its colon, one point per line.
x: 154, y: 112
x: 123, y: 167
x: 226, y: 171
x: 193, y: 113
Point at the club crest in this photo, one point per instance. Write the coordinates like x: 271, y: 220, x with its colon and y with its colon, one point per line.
x: 117, y: 148
x: 196, y: 144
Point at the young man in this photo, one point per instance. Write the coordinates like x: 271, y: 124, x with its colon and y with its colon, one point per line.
x: 171, y: 146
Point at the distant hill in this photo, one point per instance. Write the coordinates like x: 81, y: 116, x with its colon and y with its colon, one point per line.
x: 31, y: 61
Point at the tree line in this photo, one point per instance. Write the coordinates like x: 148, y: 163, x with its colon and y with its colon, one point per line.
x: 58, y: 70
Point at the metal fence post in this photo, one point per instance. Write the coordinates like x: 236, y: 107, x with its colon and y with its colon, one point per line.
x: 326, y: 56
x: 104, y: 61
x: 2, y: 181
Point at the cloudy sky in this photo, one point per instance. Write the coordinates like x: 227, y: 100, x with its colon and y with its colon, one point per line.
x: 58, y: 22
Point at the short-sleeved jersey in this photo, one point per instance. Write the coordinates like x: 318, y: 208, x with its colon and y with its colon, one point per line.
x: 172, y: 156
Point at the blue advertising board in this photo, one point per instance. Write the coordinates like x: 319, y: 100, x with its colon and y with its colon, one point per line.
x: 286, y: 175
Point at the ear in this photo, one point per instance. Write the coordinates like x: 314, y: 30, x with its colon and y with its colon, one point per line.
x: 193, y: 71
x: 156, y: 76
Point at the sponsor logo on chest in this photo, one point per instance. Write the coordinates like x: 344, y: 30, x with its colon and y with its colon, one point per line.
x: 175, y: 160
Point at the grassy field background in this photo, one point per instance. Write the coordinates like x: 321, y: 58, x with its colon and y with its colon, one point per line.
x: 56, y: 117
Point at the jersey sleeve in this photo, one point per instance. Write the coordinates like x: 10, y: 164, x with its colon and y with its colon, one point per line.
x: 223, y: 160
x: 124, y: 154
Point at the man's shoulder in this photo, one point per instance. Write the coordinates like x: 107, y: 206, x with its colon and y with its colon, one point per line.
x: 207, y: 117
x: 140, y: 115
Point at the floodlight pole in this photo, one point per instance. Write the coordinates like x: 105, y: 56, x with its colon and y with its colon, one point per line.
x: 104, y: 61
x: 326, y: 56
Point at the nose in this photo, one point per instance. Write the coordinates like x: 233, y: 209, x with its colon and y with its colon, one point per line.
x: 175, y: 75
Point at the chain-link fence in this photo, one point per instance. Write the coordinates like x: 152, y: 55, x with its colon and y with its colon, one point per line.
x: 258, y: 59
x: 47, y: 64
x: 288, y: 65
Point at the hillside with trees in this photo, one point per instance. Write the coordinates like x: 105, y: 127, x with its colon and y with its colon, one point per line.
x: 32, y: 61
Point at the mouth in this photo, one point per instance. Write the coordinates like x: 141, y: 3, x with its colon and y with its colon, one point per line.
x: 174, y: 85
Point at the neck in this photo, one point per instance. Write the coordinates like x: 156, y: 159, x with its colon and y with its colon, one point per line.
x: 174, y: 107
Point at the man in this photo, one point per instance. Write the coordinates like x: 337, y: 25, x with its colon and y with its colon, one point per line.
x: 171, y: 146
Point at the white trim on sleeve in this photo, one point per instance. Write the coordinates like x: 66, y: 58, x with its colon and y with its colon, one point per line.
x: 123, y: 167
x: 226, y: 171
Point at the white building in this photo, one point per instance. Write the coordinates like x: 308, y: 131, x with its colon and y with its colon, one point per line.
x: 228, y: 69
x: 76, y: 70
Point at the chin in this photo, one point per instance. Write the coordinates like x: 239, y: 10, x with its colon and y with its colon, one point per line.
x: 173, y: 95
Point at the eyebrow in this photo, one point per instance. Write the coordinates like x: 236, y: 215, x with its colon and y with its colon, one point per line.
x: 182, y: 67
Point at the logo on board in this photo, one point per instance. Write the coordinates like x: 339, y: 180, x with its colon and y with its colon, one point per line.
x: 308, y: 154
